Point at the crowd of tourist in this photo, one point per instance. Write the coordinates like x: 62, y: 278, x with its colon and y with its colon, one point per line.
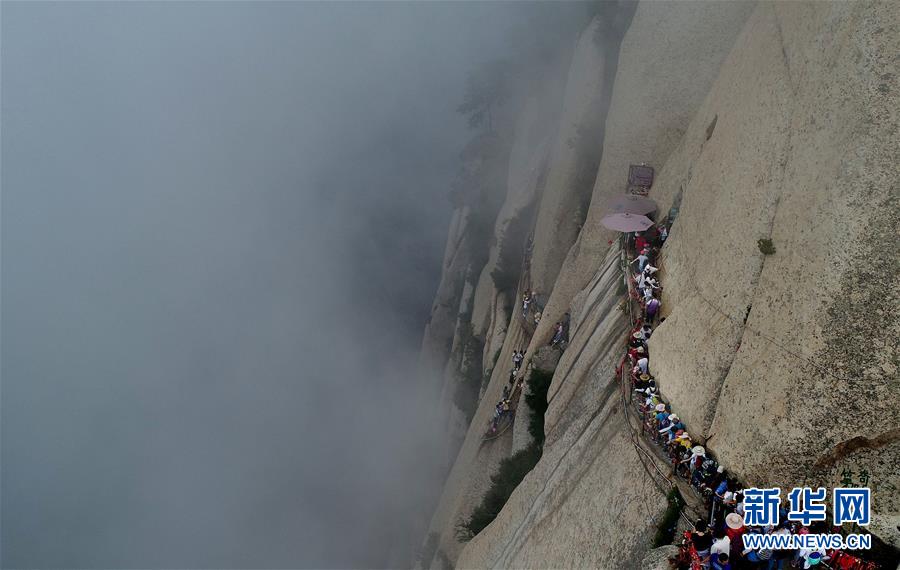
x: 715, y: 541
x: 505, y: 408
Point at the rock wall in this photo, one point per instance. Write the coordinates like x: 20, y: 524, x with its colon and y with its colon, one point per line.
x: 438, y: 335
x: 765, y: 121
x: 669, y: 57
x: 788, y: 362
x: 565, y: 198
x: 587, y: 503
x: 531, y: 163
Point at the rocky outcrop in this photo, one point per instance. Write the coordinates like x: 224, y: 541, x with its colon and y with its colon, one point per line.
x: 588, y: 503
x: 669, y: 58
x: 438, y: 336
x: 532, y: 167
x: 658, y: 558
x: 773, y: 121
x: 573, y: 160
x: 784, y: 360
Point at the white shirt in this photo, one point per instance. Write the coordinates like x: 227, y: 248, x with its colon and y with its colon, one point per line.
x: 643, y: 364
x: 721, y: 546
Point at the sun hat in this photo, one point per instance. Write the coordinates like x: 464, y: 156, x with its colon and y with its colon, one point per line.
x: 734, y: 521
x: 813, y: 559
x: 673, y: 417
x: 637, y: 335
x: 660, y: 407
x: 698, y: 450
x: 644, y: 376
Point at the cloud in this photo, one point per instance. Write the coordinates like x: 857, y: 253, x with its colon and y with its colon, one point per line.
x: 222, y: 228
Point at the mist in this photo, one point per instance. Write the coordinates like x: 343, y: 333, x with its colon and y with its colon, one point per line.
x: 222, y: 228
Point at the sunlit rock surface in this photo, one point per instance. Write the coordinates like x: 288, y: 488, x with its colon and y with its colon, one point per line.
x: 788, y: 362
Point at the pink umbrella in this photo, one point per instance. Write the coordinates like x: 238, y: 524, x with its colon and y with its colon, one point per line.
x: 626, y: 222
x: 630, y: 204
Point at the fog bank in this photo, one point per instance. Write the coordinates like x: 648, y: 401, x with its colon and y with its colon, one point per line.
x: 221, y: 231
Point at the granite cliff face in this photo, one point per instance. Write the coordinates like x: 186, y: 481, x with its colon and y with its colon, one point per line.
x: 763, y: 121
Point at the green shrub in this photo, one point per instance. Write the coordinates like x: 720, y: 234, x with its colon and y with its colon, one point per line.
x: 766, y: 246
x: 536, y: 398
x: 511, y: 472
x: 665, y: 532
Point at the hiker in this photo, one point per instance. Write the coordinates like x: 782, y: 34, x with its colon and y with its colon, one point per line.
x: 650, y: 401
x: 781, y: 558
x: 640, y: 242
x: 651, y: 307
x: 505, y: 392
x: 663, y: 234
x: 721, y: 544
x: 637, y: 352
x: 651, y: 286
x: 537, y: 318
x: 642, y: 260
x: 811, y: 557
x: 719, y: 561
x: 518, y: 357
x: 734, y: 529
x: 635, y: 373
x: 661, y: 414
x: 702, y: 539
x: 704, y: 476
x: 647, y: 331
x: 695, y: 460
x: 567, y: 319
x: 557, y: 336
x: 649, y: 270
x: 644, y: 364
x: 526, y: 300
x: 639, y: 280
x: 760, y: 556
x: 644, y: 382
x: 674, y: 426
